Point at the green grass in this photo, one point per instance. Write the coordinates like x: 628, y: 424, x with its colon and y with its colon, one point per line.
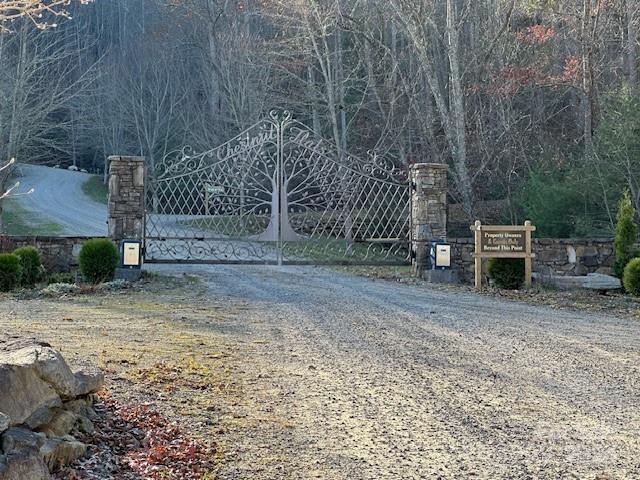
x: 17, y: 220
x: 230, y: 225
x: 317, y: 249
x: 95, y: 189
x: 329, y: 250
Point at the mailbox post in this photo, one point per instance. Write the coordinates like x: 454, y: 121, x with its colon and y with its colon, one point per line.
x: 130, y: 267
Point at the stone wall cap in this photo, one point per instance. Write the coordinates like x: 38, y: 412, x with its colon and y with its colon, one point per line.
x: 129, y: 158
x: 431, y: 166
x: 48, y: 238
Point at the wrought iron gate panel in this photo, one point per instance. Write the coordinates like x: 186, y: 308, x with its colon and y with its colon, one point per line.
x: 277, y: 194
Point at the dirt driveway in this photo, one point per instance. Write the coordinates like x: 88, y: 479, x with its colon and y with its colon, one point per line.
x: 305, y: 373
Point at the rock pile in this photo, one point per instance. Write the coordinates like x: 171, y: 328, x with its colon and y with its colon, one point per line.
x: 42, y: 405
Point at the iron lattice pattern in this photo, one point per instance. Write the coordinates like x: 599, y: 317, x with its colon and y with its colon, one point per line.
x: 277, y: 194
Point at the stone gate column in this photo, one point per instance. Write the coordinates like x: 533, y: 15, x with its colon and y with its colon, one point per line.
x: 428, y: 210
x: 126, y: 197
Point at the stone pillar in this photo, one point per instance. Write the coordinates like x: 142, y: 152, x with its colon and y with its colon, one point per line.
x: 428, y: 210
x: 126, y: 197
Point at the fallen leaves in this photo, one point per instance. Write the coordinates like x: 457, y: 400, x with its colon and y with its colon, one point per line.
x: 138, y: 442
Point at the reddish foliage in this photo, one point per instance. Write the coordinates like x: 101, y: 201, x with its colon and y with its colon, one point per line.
x: 133, y: 442
x: 511, y: 79
x: 536, y: 35
x: 570, y: 73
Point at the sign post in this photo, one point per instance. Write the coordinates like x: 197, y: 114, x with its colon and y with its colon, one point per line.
x: 503, y: 241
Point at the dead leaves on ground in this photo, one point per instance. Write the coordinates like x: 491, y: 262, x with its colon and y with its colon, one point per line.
x: 136, y: 442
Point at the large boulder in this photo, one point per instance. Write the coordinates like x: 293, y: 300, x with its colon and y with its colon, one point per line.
x: 25, y: 397
x: 40, y: 392
x: 36, y: 379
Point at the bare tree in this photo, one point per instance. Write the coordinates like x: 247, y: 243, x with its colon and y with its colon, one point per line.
x: 39, y: 12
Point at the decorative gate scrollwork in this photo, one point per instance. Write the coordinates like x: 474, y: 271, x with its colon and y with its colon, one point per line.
x: 277, y: 194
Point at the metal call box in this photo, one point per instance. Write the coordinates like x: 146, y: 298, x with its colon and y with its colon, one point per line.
x: 131, y: 251
x: 440, y: 256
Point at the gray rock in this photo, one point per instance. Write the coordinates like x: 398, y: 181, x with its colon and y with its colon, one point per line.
x: 23, y: 465
x: 42, y: 415
x: 35, y: 381
x: 59, y: 452
x: 79, y: 406
x: 592, y: 281
x: 25, y: 397
x: 5, y: 421
x: 61, y: 424
x: 88, y: 382
x: 85, y: 425
x: 49, y: 365
x: 35, y: 378
x: 17, y: 438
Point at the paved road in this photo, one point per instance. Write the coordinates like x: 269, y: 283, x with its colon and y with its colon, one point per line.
x: 58, y: 197
x: 353, y: 378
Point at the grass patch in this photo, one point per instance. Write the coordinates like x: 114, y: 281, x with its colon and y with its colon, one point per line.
x: 316, y: 249
x: 96, y: 190
x: 230, y: 225
x: 338, y: 250
x: 18, y: 220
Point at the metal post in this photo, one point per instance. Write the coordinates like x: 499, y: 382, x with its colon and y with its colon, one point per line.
x: 279, y: 184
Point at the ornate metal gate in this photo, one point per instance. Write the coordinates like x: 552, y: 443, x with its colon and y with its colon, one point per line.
x: 277, y: 194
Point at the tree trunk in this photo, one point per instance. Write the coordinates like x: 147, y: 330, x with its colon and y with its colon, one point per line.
x: 458, y: 112
x: 632, y: 43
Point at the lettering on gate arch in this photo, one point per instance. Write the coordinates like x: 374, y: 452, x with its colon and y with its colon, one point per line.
x: 247, y: 144
x: 302, y: 137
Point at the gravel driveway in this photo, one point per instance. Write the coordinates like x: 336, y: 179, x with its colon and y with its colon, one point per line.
x: 353, y: 378
x: 373, y: 380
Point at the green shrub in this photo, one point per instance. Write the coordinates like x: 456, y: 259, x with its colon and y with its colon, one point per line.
x: 31, y: 264
x: 63, y: 277
x: 507, y: 272
x: 631, y: 277
x: 10, y: 271
x: 626, y: 234
x: 98, y: 260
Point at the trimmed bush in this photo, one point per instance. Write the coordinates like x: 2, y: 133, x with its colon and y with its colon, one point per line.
x: 10, y: 271
x: 626, y: 234
x: 507, y: 273
x: 98, y: 260
x: 631, y: 277
x: 31, y: 264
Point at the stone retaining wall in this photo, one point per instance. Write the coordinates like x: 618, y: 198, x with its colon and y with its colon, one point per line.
x: 59, y: 254
x: 45, y: 408
x: 553, y: 256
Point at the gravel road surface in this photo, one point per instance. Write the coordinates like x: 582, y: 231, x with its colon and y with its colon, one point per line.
x: 58, y: 196
x: 354, y: 378
x: 367, y: 379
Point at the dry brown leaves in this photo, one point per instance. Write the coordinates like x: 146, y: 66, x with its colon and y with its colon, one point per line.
x: 136, y: 442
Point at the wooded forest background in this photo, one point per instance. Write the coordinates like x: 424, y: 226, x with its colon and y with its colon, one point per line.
x: 534, y: 104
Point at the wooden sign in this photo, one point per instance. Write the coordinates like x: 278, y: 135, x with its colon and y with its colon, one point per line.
x: 496, y: 241
x: 503, y: 241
